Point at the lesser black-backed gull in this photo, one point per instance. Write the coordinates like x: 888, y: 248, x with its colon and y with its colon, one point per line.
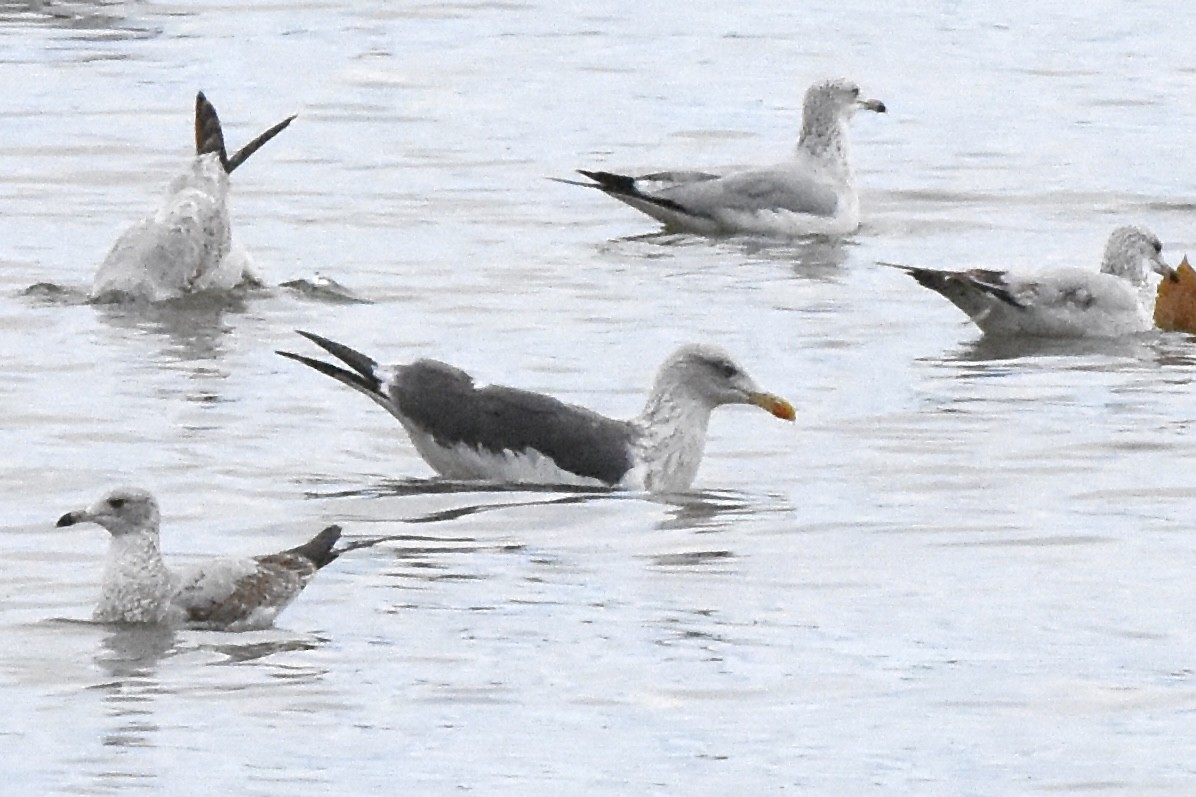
x: 504, y: 434
x: 811, y: 193
x: 231, y: 594
x: 186, y: 245
x: 1065, y: 302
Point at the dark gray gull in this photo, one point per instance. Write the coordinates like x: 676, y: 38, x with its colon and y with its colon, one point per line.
x: 503, y: 434
x: 186, y: 245
x: 228, y: 594
x: 811, y: 193
x: 1062, y: 303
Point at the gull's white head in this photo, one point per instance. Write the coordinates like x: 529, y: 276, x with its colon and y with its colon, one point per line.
x: 834, y: 99
x: 708, y: 374
x: 128, y: 510
x: 1131, y: 247
x: 828, y: 106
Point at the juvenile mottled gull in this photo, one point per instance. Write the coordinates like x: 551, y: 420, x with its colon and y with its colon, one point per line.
x: 812, y: 193
x: 185, y: 246
x: 503, y: 434
x: 1067, y: 302
x: 230, y: 594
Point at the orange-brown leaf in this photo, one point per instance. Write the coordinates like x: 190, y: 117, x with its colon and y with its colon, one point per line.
x: 1175, y: 306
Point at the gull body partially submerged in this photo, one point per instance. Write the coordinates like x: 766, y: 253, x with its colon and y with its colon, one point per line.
x: 229, y: 594
x: 503, y: 434
x: 811, y: 193
x: 1062, y: 303
x: 186, y: 245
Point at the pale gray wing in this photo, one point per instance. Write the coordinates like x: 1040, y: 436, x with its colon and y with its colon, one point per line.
x: 1073, y: 291
x: 755, y: 191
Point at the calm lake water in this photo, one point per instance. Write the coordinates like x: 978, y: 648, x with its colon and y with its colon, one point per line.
x: 966, y: 569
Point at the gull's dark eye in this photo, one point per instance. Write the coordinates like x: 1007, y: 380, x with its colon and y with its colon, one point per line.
x: 855, y: 91
x: 116, y: 503
x: 1158, y: 246
x: 726, y: 370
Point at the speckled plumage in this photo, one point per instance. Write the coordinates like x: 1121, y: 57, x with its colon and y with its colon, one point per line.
x: 225, y: 594
x: 185, y: 246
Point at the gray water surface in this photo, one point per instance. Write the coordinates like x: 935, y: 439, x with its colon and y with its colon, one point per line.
x: 964, y: 570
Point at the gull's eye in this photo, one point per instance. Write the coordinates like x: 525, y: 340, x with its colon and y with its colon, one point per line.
x: 1158, y: 246
x: 855, y: 91
x: 116, y: 503
x: 726, y: 370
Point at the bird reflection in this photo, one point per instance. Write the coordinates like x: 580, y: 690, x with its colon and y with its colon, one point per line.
x: 989, y: 348
x: 81, y: 15
x: 130, y: 655
x: 194, y: 326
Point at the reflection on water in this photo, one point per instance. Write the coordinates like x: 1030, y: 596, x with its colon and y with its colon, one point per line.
x: 711, y: 510
x: 133, y: 652
x: 812, y: 257
x: 195, y: 326
x: 130, y: 656
x: 989, y: 347
x: 442, y: 486
x: 107, y: 17
x: 690, y: 558
x: 239, y: 652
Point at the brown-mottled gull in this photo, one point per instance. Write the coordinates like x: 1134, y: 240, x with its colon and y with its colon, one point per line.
x: 230, y: 594
x: 186, y: 245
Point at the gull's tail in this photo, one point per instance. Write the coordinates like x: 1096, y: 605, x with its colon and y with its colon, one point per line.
x: 209, y: 137
x: 361, y: 378
x: 624, y: 187
x: 318, y: 550
x: 668, y: 211
x: 980, y: 293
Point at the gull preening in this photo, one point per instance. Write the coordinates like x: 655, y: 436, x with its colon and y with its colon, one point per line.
x: 503, y: 434
x: 230, y: 594
x: 186, y: 245
x: 811, y: 193
x: 1067, y: 302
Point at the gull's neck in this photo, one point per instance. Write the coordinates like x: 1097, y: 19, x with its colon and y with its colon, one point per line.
x: 1125, y: 266
x: 672, y: 438
x: 137, y: 585
x: 824, y: 141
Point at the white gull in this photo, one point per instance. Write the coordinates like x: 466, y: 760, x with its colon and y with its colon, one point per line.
x: 503, y: 434
x: 811, y: 193
x: 1066, y: 302
x: 186, y: 245
x: 231, y: 594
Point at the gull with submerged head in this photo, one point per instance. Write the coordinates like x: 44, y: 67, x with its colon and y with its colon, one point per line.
x: 503, y: 434
x: 186, y: 245
x: 1064, y: 302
